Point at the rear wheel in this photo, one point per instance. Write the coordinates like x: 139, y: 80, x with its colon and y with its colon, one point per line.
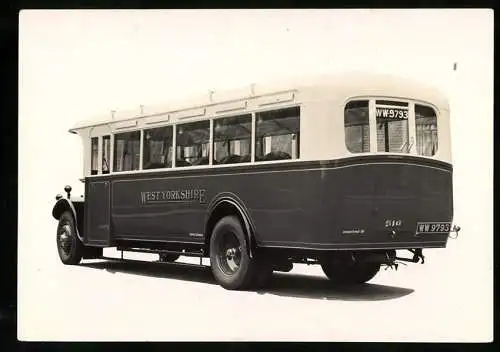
x: 69, y: 247
x: 231, y: 265
x: 350, y: 273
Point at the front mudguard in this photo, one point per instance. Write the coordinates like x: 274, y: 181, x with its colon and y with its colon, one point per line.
x: 65, y: 204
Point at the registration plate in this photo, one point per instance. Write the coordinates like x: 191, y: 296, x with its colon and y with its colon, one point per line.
x: 433, y: 227
x: 391, y: 113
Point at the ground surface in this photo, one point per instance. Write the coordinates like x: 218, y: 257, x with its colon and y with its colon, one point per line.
x: 149, y: 301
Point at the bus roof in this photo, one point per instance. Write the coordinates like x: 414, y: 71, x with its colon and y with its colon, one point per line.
x: 343, y: 84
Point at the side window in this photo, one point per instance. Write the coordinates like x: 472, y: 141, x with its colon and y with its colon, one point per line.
x: 426, y: 130
x: 277, y: 134
x: 93, y: 156
x: 157, y: 148
x: 357, y: 126
x: 192, y: 143
x: 106, y: 150
x: 232, y: 139
x: 127, y: 151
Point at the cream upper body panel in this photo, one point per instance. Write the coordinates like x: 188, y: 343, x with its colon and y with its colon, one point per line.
x: 322, y: 100
x: 340, y: 86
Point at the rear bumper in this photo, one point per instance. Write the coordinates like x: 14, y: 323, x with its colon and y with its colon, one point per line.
x: 357, y: 245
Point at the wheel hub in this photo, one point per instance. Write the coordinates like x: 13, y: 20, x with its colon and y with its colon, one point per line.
x: 230, y: 253
x: 230, y: 256
x: 65, y: 238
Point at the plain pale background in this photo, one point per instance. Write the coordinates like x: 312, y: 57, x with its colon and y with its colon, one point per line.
x: 78, y: 64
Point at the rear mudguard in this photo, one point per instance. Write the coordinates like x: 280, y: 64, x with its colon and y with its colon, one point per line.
x: 232, y: 199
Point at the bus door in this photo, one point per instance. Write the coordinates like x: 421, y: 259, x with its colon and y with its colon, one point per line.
x: 97, y: 213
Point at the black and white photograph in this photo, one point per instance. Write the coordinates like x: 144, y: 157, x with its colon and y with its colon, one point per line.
x: 256, y: 175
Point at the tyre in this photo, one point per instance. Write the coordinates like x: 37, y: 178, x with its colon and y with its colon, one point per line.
x: 169, y: 257
x: 350, y: 273
x: 229, y: 260
x: 69, y: 247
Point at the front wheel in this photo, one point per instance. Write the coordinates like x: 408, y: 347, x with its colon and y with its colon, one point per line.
x: 69, y: 247
x: 350, y: 273
x: 229, y: 260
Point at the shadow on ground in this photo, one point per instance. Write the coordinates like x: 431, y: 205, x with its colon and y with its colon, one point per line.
x: 281, y: 284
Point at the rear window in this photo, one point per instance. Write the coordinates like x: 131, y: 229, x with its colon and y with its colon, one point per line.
x: 426, y: 130
x: 391, y: 120
x: 357, y: 126
x: 392, y: 128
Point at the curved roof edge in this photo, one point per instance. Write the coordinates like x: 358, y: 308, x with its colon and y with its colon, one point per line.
x: 348, y: 80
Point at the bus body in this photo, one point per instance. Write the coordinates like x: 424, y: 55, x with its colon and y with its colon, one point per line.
x: 340, y: 170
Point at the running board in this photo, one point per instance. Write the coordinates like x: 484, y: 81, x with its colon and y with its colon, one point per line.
x: 160, y: 251
x: 138, y: 261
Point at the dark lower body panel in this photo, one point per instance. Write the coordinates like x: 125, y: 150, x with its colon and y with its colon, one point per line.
x: 363, y: 203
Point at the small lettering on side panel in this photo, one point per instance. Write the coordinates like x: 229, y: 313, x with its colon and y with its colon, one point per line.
x: 353, y: 231
x: 196, y: 235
